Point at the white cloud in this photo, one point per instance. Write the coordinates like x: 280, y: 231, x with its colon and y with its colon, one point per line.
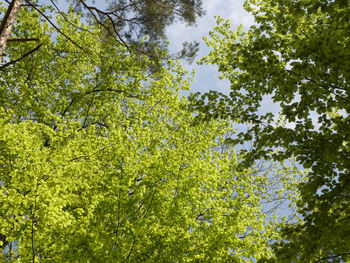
x: 230, y: 9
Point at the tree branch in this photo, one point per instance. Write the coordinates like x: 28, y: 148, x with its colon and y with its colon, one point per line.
x: 57, y: 29
x: 22, y: 39
x: 322, y: 86
x: 107, y: 14
x: 7, y: 23
x: 117, y: 91
x: 22, y: 57
x: 66, y: 19
x: 332, y: 257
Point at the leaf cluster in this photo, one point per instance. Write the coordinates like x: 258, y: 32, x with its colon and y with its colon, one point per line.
x: 297, y: 55
x: 102, y: 162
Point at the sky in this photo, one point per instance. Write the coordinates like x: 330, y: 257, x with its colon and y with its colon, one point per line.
x: 207, y: 76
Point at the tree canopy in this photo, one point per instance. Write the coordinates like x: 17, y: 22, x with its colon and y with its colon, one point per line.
x: 103, y: 162
x: 138, y: 25
x: 296, y: 55
x: 131, y: 21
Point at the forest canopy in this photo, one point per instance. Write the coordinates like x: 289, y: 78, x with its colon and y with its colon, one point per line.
x: 297, y: 55
x: 104, y: 160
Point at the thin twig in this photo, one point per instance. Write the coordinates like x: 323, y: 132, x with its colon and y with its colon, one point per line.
x: 66, y: 19
x: 322, y: 86
x: 117, y: 91
x: 332, y: 257
x: 131, y: 250
x: 91, y: 8
x: 86, y: 156
x: 57, y: 29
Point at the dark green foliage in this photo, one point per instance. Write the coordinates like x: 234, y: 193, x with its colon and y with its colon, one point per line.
x: 298, y: 55
x: 131, y: 21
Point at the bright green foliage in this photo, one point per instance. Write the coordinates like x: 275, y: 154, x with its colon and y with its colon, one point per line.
x: 101, y: 163
x: 298, y: 55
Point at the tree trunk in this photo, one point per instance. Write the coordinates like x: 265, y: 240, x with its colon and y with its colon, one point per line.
x: 7, y: 23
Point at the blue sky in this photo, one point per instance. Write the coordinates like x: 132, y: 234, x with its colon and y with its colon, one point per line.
x: 207, y: 76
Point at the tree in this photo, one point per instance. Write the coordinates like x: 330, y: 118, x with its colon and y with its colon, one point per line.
x: 7, y: 23
x: 130, y: 21
x: 101, y: 162
x: 297, y: 55
x: 138, y: 25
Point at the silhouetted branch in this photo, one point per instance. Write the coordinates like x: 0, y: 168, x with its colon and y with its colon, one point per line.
x: 322, y: 86
x: 22, y: 39
x: 333, y: 257
x: 57, y: 29
x: 22, y: 57
x: 66, y: 19
x: 107, y: 14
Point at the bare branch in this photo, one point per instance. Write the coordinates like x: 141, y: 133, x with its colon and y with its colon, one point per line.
x: 66, y: 19
x: 107, y: 14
